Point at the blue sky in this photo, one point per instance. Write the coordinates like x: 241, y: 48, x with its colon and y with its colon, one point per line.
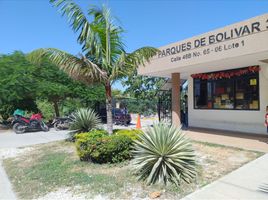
x: 30, y: 24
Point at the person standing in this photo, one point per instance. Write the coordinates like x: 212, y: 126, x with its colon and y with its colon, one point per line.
x: 266, y: 119
x: 186, y: 111
x: 125, y: 112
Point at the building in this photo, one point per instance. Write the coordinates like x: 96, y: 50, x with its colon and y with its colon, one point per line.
x: 227, y: 74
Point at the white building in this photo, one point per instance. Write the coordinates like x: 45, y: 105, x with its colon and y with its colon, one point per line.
x: 227, y: 73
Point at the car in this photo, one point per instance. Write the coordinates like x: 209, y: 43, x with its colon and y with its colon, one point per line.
x: 118, y: 116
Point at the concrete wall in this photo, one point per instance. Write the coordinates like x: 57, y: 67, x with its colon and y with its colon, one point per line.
x: 233, y: 120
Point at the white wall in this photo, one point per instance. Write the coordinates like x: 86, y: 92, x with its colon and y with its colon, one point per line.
x: 233, y: 120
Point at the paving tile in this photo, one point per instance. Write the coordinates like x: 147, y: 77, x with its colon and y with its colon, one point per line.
x: 241, y: 184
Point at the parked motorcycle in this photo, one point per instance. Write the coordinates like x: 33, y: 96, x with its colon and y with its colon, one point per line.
x: 62, y: 123
x: 22, y: 124
x: 6, y: 124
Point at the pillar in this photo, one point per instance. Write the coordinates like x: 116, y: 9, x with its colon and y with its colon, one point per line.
x: 176, y: 110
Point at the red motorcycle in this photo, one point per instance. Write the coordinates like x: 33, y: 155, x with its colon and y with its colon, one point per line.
x: 22, y: 124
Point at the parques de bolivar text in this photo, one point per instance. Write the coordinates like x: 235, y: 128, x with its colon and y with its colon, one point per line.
x: 215, y: 38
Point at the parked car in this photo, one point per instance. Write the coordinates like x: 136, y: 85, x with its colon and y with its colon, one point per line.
x: 118, y: 116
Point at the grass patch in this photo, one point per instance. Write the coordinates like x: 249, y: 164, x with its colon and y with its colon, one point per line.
x: 53, y: 166
x: 51, y: 171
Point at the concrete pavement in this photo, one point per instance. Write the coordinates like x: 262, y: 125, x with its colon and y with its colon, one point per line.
x: 145, y: 122
x: 228, y: 138
x: 8, y: 139
x: 6, y: 192
x: 242, y: 183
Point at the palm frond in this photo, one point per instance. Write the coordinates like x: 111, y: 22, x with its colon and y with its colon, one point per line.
x: 119, y: 69
x: 77, y: 21
x: 109, y: 36
x: 80, y: 69
x: 127, y: 63
x: 141, y: 56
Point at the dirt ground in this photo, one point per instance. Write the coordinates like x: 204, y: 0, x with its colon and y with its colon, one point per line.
x: 217, y: 160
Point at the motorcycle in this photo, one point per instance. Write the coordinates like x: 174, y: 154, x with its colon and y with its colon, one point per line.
x: 6, y: 124
x: 62, y: 123
x: 22, y: 124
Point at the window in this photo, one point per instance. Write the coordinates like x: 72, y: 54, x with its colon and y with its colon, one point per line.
x: 223, y: 94
x: 233, y: 91
x: 201, y: 93
x: 247, y: 93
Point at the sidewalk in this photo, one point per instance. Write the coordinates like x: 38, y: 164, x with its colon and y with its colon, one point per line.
x: 6, y: 192
x: 228, y: 138
x: 242, y: 183
x: 8, y: 139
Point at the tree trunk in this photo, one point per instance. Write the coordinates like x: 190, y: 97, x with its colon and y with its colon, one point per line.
x: 56, y: 108
x: 108, y: 90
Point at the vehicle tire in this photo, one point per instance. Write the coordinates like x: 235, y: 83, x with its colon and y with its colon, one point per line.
x: 19, y: 128
x: 57, y: 126
x: 44, y: 127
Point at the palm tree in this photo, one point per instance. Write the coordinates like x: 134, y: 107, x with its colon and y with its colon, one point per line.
x: 103, y: 58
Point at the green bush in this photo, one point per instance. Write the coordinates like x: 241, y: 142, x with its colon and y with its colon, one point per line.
x: 46, y: 109
x: 164, y: 154
x: 82, y: 142
x: 133, y: 133
x: 99, y: 147
x: 92, y: 134
x: 70, y: 105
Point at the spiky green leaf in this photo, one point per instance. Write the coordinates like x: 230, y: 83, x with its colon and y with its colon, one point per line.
x: 164, y: 154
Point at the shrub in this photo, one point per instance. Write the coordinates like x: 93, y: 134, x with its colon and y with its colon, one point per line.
x: 46, y: 109
x: 84, y: 120
x: 82, y: 142
x: 92, y: 134
x: 164, y: 154
x: 133, y: 133
x: 70, y: 105
x: 102, y: 148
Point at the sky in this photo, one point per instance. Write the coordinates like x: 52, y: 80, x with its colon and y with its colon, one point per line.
x: 30, y: 24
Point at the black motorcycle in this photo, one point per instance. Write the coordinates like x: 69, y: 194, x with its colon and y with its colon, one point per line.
x: 62, y: 123
x: 22, y: 124
x: 6, y: 124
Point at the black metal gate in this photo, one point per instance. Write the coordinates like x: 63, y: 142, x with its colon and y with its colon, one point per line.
x: 164, y: 105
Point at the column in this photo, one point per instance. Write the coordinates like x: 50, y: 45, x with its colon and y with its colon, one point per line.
x: 176, y: 110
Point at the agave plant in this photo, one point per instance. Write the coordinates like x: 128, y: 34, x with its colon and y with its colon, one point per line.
x: 163, y: 154
x: 264, y: 187
x: 84, y: 120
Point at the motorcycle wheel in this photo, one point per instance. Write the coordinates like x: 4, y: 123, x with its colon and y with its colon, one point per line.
x: 44, y: 127
x: 57, y: 126
x: 19, y: 128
